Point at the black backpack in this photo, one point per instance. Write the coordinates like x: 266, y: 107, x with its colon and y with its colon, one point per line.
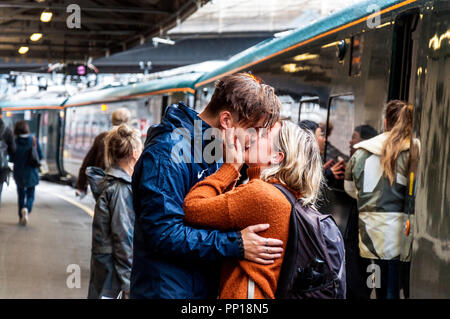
x: 314, y: 260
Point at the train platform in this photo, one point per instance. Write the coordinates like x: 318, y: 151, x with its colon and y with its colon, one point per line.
x: 39, y: 259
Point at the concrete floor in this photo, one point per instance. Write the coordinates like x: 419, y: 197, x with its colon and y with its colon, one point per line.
x: 34, y: 258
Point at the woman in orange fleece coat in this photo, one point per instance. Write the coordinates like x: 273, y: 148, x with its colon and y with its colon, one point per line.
x: 287, y: 155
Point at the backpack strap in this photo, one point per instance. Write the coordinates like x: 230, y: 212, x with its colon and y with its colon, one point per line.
x: 290, y: 197
x: 288, y: 270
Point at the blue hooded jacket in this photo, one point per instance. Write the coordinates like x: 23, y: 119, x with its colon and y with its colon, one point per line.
x: 24, y: 174
x: 170, y: 259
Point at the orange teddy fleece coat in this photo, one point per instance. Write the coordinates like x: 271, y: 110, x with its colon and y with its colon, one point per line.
x: 210, y: 204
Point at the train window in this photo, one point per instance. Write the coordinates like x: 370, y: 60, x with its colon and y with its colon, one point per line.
x: 86, y: 135
x: 340, y: 127
x: 204, y: 95
x: 177, y: 97
x: 289, y: 108
x: 79, y: 136
x: 310, y: 109
x: 152, y: 108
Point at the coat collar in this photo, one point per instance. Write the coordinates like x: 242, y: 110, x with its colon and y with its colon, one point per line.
x: 375, y: 144
x: 118, y: 173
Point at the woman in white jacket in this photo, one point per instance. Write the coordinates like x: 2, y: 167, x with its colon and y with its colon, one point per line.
x: 376, y: 176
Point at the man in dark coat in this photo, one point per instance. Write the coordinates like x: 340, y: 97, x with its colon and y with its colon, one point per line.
x: 8, y: 148
x: 172, y: 260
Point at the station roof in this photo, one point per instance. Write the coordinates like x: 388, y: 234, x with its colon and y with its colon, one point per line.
x: 107, y: 26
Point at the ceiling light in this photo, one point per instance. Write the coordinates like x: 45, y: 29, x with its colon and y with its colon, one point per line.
x: 23, y: 50
x: 35, y: 36
x: 46, y: 16
x: 306, y: 56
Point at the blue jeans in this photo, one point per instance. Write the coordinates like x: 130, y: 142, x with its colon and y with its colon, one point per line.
x: 26, y: 198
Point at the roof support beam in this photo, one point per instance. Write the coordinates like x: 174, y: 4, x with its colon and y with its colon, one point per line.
x: 53, y: 45
x: 84, y: 8
x: 84, y: 20
x: 20, y: 31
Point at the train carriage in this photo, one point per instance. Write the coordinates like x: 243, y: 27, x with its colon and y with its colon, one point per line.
x: 67, y: 127
x: 45, y: 116
x: 340, y: 71
x: 89, y: 113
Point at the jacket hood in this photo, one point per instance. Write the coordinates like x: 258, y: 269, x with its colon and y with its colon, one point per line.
x: 98, y: 179
x: 175, y: 116
x: 375, y: 144
x: 95, y: 176
x: 118, y: 173
x: 23, y: 140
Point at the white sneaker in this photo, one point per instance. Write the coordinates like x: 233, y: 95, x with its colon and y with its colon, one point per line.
x: 24, y: 219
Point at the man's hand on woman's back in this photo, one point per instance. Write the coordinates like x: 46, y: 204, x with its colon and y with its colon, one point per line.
x: 259, y: 249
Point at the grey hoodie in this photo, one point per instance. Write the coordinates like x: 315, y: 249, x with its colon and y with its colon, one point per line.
x: 112, y: 232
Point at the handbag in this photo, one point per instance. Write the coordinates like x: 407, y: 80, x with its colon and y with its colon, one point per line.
x: 34, y: 156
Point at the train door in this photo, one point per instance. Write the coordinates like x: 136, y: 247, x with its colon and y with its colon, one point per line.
x: 402, y: 50
x: 430, y: 258
x: 399, y: 88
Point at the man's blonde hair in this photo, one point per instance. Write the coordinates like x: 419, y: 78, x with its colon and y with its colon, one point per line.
x: 301, y: 169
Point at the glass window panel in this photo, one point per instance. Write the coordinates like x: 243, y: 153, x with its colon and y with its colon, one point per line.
x: 340, y: 127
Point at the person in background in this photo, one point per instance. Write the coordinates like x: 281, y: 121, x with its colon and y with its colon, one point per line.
x: 25, y: 175
x: 112, y: 227
x: 376, y: 176
x: 356, y: 266
x: 332, y: 171
x: 332, y: 152
x: 361, y: 133
x: 96, y: 155
x: 287, y: 155
x: 7, y: 151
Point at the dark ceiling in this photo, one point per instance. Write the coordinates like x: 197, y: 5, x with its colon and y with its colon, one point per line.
x: 107, y: 26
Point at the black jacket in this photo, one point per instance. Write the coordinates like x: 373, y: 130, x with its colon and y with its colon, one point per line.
x: 7, y: 136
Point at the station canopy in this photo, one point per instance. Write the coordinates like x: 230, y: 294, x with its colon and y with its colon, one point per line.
x: 106, y: 26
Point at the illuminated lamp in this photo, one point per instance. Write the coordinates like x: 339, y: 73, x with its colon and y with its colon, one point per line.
x: 23, y: 50
x: 46, y: 16
x: 35, y: 37
x: 104, y: 107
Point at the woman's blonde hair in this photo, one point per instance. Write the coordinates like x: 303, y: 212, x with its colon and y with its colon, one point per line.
x: 120, y: 143
x: 301, y: 169
x: 399, y: 117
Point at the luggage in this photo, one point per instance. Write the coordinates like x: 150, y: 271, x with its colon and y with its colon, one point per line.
x: 314, y: 260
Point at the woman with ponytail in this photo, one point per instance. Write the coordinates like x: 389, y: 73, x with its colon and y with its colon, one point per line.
x: 376, y: 176
x: 113, y: 224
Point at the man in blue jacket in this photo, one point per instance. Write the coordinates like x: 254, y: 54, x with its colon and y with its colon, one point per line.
x: 173, y: 260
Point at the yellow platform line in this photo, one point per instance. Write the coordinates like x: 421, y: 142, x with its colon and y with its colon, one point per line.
x: 86, y: 209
